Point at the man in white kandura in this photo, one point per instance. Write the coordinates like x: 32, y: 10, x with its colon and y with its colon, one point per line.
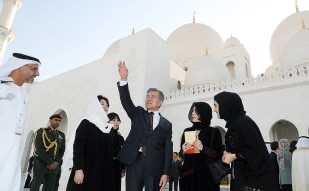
x: 13, y: 106
x: 300, y: 165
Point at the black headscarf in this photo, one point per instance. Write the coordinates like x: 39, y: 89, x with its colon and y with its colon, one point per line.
x: 230, y: 109
x: 204, y: 111
x: 229, y: 105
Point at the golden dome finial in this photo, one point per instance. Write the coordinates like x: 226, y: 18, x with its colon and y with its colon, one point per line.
x: 206, y: 52
x: 303, y: 25
x: 297, y: 10
x: 133, y: 31
x: 194, y: 17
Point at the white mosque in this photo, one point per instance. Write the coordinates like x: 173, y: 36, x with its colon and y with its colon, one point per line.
x: 192, y: 64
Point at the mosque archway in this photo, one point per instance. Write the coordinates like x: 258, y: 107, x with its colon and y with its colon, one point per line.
x: 231, y: 68
x: 247, y: 71
x: 283, y: 129
x: 223, y: 132
x: 27, y: 152
x: 63, y: 127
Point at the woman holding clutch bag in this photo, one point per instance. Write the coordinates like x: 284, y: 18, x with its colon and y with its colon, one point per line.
x: 195, y: 174
x: 252, y: 168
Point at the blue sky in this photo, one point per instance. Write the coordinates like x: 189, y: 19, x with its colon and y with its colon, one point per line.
x: 65, y: 34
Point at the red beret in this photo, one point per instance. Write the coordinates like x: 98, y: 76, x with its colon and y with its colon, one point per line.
x: 55, y: 116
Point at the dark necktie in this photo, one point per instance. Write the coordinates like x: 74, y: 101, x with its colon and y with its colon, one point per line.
x: 151, y: 121
x: 150, y: 129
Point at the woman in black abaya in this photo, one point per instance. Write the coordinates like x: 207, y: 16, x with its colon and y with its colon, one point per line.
x: 118, y: 140
x: 93, y: 150
x: 195, y: 174
x: 245, y: 147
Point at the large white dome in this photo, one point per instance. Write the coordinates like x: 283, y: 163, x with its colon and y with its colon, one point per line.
x: 295, y: 51
x: 190, y: 41
x: 284, y: 31
x: 206, y: 70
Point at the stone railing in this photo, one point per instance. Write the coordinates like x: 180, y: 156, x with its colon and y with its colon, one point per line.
x: 297, y: 72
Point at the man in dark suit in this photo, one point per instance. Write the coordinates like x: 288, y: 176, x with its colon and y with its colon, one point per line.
x: 175, y: 170
x: 273, y: 156
x: 148, y: 147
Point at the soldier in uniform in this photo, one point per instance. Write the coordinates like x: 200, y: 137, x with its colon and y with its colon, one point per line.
x: 49, y: 149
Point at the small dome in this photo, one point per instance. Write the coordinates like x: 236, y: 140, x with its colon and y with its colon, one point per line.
x: 206, y: 70
x: 295, y: 51
x: 112, y: 49
x: 284, y: 31
x: 190, y: 41
x: 270, y: 71
x: 232, y: 41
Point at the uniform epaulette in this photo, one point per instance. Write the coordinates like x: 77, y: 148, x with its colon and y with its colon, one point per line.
x: 60, y: 131
x: 39, y: 129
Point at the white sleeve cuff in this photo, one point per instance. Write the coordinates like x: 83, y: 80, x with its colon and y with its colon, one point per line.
x: 123, y: 83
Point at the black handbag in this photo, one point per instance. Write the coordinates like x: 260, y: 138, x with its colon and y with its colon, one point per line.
x: 218, y: 170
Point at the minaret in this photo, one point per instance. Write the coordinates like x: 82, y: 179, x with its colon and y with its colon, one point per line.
x: 6, y: 18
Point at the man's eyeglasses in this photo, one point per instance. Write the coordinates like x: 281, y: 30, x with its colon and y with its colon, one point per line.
x: 35, y: 69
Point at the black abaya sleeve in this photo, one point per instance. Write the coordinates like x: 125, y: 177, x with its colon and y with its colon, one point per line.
x: 216, y: 151
x: 121, y: 141
x: 251, y: 146
x: 79, y: 144
x: 182, y: 141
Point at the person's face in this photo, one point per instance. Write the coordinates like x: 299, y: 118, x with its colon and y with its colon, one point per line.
x: 104, y: 105
x: 54, y: 122
x: 175, y: 156
x: 277, y: 149
x: 216, y: 109
x: 152, y: 101
x: 29, y: 72
x: 194, y: 116
x: 115, y: 122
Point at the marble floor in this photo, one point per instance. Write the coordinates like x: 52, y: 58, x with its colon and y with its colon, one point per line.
x: 65, y: 176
